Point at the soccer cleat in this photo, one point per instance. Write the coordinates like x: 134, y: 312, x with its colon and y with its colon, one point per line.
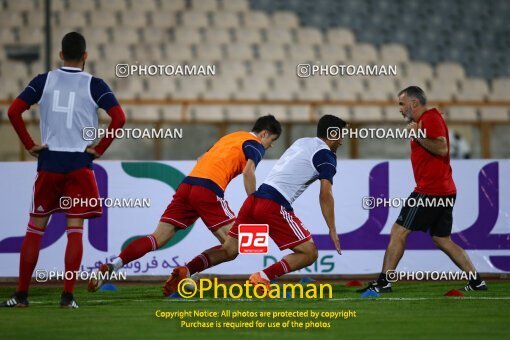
x: 67, y: 301
x: 96, y: 281
x: 481, y: 286
x: 17, y: 300
x: 256, y: 279
x: 376, y: 287
x: 172, y: 283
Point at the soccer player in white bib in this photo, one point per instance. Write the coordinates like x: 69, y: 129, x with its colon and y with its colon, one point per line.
x: 307, y: 160
x: 68, y: 100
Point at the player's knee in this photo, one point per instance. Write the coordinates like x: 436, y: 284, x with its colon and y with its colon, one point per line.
x: 311, y: 253
x: 231, y: 253
x: 440, y: 242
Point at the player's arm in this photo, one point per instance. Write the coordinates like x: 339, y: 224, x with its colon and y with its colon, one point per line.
x: 106, y: 100
x: 253, y: 151
x: 327, y: 203
x: 30, y: 95
x: 324, y: 162
x: 435, y: 142
x: 250, y: 182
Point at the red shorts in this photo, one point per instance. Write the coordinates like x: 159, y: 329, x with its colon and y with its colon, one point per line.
x: 53, y: 192
x: 285, y: 229
x: 193, y: 201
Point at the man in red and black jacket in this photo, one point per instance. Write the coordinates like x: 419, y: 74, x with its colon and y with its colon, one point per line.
x: 430, y: 205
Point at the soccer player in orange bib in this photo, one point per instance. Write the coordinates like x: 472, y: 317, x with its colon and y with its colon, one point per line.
x: 201, y: 193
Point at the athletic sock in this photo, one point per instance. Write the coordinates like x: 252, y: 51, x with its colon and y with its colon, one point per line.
x: 117, y: 263
x: 138, y: 248
x: 476, y: 281
x: 277, y: 269
x: 200, y: 262
x: 28, y: 256
x: 381, y: 280
x: 74, y: 253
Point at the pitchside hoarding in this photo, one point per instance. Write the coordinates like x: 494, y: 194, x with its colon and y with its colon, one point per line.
x: 481, y: 218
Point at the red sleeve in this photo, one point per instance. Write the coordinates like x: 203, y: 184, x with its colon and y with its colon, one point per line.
x: 118, y: 120
x: 15, y: 111
x: 433, y: 126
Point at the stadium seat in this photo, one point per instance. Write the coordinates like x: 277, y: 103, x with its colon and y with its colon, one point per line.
x: 301, y: 51
x: 31, y: 36
x: 113, y: 6
x: 221, y: 88
x: 462, y: 113
x: 380, y: 88
x: 13, y: 19
x: 194, y: 19
x: 308, y: 35
x: 367, y: 113
x: 209, y: 52
x: 256, y: 19
x: 347, y: 88
x: 336, y: 110
x: 133, y: 18
x: 126, y: 35
x: 271, y: 51
x: 278, y: 35
x: 230, y: 68
x: 236, y: 5
x: 498, y: 114
x: 500, y: 89
x: 264, y: 68
x: 363, y: 54
x: 444, y: 90
x: 393, y: 53
x: 21, y: 5
x: 177, y: 53
x: 204, y: 5
x: 83, y: 6
x: 190, y: 88
x: 103, y: 19
x: 419, y: 71
x: 144, y: 6
x: 171, y: 112
x: 284, y: 19
x: 149, y: 113
x: 450, y: 71
x: 163, y: 19
x: 332, y: 54
x: 225, y: 19
x: 186, y: 35
x: 146, y: 52
x: 239, y: 51
x: 248, y: 35
x: 173, y: 6
x: 473, y: 89
x: 93, y: 34
x: 161, y: 87
x: 217, y: 36
x: 241, y: 113
x: 207, y: 113
x: 340, y: 36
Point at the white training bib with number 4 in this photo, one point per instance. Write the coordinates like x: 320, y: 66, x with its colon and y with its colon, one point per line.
x: 66, y: 108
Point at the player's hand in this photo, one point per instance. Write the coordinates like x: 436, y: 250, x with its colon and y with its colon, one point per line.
x: 336, y: 241
x: 412, y: 127
x: 93, y: 152
x: 36, y: 149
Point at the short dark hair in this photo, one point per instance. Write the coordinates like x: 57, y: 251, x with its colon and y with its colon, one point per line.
x: 73, y: 46
x: 415, y: 92
x: 268, y: 123
x: 329, y: 121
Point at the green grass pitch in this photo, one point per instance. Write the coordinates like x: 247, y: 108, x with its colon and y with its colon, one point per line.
x: 413, y: 310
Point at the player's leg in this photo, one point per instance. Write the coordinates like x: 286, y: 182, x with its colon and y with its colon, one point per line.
x: 288, y: 232
x: 440, y: 233
x: 45, y: 200
x: 72, y: 260
x: 411, y: 218
x: 201, y: 262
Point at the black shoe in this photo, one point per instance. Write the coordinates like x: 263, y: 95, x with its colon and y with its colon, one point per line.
x: 67, y: 301
x: 379, y: 288
x: 472, y: 286
x: 17, y: 300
